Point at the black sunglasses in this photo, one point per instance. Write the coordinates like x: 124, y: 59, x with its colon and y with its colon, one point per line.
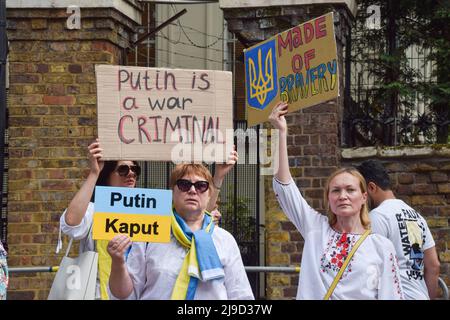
x: 123, y: 170
x: 185, y: 185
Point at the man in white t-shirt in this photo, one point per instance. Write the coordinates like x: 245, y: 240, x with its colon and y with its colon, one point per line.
x: 408, y: 231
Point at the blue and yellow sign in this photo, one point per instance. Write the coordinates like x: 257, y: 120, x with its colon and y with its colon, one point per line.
x: 142, y: 214
x: 298, y: 66
x: 261, y: 75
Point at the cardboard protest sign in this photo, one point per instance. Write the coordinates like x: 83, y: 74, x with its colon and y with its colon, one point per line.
x: 142, y: 214
x: 164, y: 114
x: 298, y: 66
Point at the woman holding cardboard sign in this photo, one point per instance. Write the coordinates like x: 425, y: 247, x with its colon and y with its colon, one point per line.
x: 77, y: 220
x: 201, y: 261
x: 341, y: 258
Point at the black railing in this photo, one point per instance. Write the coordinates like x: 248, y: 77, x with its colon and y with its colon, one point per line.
x: 386, y: 103
x: 3, y: 124
x: 4, y: 195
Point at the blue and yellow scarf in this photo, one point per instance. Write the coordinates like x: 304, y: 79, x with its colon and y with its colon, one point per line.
x: 201, y: 262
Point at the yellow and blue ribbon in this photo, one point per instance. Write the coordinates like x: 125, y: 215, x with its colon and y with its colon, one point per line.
x: 201, y: 262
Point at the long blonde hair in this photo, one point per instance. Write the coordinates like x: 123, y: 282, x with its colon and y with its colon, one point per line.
x: 364, y: 212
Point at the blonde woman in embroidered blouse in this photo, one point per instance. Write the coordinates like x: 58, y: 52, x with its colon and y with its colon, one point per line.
x: 373, y: 270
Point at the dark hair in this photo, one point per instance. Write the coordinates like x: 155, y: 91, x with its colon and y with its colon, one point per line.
x: 108, y: 168
x: 374, y: 171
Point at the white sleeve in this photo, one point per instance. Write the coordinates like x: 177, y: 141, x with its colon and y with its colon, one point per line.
x: 296, y: 208
x: 379, y: 224
x: 76, y: 232
x: 389, y: 287
x: 80, y: 231
x: 428, y: 241
x: 236, y: 280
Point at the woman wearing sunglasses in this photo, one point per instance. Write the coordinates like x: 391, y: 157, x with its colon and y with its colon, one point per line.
x: 201, y: 261
x: 76, y: 221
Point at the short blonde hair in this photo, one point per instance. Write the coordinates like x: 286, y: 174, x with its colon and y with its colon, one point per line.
x: 364, y: 212
x: 182, y: 170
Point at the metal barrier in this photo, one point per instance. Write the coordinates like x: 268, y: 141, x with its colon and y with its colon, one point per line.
x: 444, y: 288
x: 442, y: 284
x: 33, y: 269
x: 272, y: 269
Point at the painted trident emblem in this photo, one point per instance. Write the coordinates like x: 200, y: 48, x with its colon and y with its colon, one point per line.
x: 259, y: 87
x: 261, y: 75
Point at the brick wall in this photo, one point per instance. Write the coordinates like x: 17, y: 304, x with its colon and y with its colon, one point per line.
x: 52, y: 118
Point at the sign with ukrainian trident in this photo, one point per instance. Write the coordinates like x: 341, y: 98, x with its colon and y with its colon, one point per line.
x: 262, y: 76
x: 298, y: 66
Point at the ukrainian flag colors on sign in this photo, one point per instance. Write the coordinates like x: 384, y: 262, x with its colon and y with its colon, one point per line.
x: 298, y: 66
x: 142, y: 214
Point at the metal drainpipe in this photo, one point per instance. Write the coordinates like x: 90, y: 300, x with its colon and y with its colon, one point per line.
x: 3, y: 56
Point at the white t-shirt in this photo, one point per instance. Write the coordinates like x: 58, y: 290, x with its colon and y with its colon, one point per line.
x: 371, y: 274
x: 154, y: 268
x: 411, y: 236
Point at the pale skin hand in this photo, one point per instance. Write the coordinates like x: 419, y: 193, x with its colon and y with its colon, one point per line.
x: 96, y: 163
x: 222, y: 169
x: 78, y: 206
x: 120, y: 282
x: 278, y: 121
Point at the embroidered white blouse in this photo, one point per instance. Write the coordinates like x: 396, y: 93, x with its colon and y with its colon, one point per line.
x: 371, y: 274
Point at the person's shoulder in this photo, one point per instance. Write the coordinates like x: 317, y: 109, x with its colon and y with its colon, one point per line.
x: 402, y: 206
x: 381, y: 241
x: 223, y: 234
x: 387, y: 208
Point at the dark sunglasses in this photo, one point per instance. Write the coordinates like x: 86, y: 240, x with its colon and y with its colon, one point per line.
x: 185, y: 185
x: 123, y: 170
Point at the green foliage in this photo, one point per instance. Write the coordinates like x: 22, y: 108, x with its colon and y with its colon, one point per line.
x: 240, y: 220
x: 424, y: 24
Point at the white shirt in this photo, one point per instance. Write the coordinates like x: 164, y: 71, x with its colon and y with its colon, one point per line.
x: 154, y: 268
x: 411, y: 236
x: 371, y: 274
x: 82, y: 232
